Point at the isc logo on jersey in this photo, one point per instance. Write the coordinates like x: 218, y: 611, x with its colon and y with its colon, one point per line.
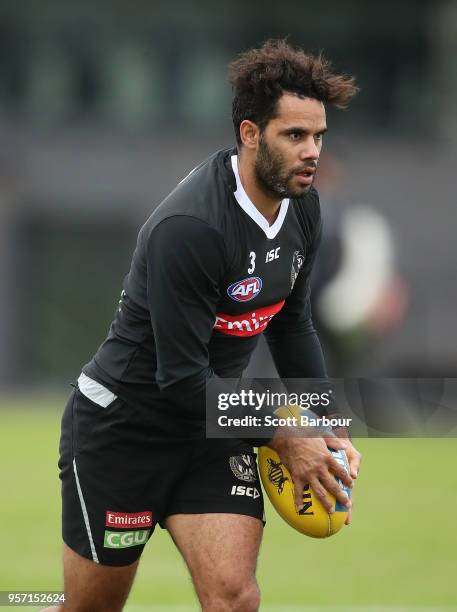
x: 246, y: 289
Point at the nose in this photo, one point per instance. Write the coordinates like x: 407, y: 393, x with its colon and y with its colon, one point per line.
x: 311, y: 149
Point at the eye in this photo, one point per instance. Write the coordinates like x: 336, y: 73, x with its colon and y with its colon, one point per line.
x: 319, y: 136
x: 295, y: 136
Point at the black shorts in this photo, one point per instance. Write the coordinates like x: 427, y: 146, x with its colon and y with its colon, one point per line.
x: 119, y: 482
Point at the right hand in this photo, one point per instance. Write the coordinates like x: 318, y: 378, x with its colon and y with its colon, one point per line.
x: 309, y: 461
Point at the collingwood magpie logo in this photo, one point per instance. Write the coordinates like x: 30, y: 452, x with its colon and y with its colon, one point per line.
x: 276, y: 475
x: 297, y: 261
x: 244, y: 468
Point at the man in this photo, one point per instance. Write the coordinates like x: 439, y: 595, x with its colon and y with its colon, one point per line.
x: 133, y: 452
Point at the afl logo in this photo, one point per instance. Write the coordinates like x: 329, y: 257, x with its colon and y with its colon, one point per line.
x: 246, y: 289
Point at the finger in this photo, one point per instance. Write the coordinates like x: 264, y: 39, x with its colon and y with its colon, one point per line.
x: 339, y: 471
x: 354, y: 463
x: 298, y: 494
x: 334, y: 488
x: 321, y: 495
x: 336, y: 443
x: 348, y: 520
x: 353, y: 469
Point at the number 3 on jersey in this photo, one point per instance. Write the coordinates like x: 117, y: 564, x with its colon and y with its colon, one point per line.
x: 252, y: 259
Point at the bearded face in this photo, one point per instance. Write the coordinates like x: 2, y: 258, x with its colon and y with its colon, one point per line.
x: 278, y: 178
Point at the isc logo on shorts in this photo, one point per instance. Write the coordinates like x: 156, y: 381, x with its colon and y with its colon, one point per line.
x: 114, y: 539
x: 246, y: 289
x: 248, y: 491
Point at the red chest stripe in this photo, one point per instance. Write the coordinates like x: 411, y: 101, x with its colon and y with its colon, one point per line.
x: 249, y: 323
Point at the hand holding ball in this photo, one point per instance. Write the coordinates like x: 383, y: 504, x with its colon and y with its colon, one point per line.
x: 313, y: 519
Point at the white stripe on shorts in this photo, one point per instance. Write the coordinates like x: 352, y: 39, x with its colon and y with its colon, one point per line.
x: 95, y: 391
x: 85, y: 515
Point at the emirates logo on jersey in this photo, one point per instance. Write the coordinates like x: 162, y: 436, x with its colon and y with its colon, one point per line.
x: 246, y: 289
x: 248, y: 323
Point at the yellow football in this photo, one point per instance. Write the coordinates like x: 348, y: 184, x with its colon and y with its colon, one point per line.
x: 313, y: 520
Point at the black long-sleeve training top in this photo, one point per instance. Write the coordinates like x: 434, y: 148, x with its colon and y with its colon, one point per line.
x: 209, y: 275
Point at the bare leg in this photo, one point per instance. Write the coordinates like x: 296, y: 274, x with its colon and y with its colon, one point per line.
x: 90, y: 587
x: 221, y: 552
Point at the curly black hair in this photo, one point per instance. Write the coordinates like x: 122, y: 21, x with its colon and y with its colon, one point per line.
x: 260, y: 76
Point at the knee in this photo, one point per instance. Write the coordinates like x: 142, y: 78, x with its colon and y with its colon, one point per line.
x: 234, y: 597
x: 249, y: 600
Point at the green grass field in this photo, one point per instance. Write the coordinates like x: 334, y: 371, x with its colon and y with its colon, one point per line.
x: 400, y: 554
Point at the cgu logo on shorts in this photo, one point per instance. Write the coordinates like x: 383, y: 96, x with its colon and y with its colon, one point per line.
x: 127, y: 520
x: 246, y: 289
x: 114, y: 539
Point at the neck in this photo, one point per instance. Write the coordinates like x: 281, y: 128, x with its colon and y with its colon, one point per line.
x: 267, y: 204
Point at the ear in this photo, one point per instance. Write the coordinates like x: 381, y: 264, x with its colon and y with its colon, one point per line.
x: 249, y: 134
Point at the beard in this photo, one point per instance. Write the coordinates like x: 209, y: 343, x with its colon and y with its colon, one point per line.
x: 272, y: 176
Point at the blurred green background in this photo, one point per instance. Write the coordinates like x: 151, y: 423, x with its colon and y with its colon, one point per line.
x: 399, y: 553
